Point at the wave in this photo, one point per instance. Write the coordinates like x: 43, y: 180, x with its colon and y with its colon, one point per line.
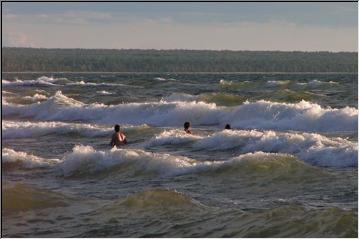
x: 164, y: 79
x: 103, y: 92
x: 96, y: 84
x: 278, y: 82
x: 309, y: 223
x: 180, y: 97
x: 85, y: 161
x: 172, y: 137
x: 220, y: 99
x: 22, y: 197
x: 314, y: 149
x: 6, y: 93
x: 225, y: 83
x: 12, y: 159
x: 16, y: 129
x: 157, y: 198
x: 301, y: 116
x: 36, y: 97
x: 43, y: 81
x: 51, y: 81
x: 316, y: 82
x: 160, y: 79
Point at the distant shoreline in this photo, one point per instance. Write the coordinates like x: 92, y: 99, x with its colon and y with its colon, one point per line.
x: 299, y: 73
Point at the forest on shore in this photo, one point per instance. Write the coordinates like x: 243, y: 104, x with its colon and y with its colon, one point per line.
x: 137, y: 60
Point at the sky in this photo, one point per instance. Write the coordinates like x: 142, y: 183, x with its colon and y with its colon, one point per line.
x: 302, y: 26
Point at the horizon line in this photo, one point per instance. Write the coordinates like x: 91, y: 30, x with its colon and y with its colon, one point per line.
x: 185, y: 49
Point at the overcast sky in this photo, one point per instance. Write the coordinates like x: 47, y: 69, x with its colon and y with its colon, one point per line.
x: 234, y: 26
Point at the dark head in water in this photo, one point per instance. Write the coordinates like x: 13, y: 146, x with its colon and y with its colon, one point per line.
x: 117, y: 128
x: 186, y: 127
x: 227, y: 126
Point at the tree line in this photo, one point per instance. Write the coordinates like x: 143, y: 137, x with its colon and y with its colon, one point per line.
x: 137, y: 60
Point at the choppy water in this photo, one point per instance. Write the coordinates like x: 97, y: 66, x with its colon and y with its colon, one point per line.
x: 287, y: 169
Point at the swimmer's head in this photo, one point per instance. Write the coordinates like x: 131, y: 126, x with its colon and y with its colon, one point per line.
x: 186, y: 125
x: 117, y: 128
x: 227, y: 126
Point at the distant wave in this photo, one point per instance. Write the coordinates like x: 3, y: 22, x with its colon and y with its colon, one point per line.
x: 180, y: 97
x: 50, y: 81
x: 226, y: 83
x: 96, y: 84
x: 225, y: 99
x: 44, y: 81
x: 316, y: 82
x: 313, y: 148
x: 103, y: 92
x: 164, y: 79
x: 302, y: 116
x: 36, y: 97
x: 17, y: 129
x: 278, y: 82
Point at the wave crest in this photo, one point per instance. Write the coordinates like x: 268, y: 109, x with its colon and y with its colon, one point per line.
x: 302, y: 116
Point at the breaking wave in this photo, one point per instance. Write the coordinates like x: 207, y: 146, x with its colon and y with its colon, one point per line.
x: 36, y: 97
x: 313, y: 148
x: 84, y: 160
x: 51, y: 81
x: 43, y: 81
x: 316, y: 82
x: 302, y: 116
x: 14, y: 129
x: 103, y: 92
x: 278, y: 82
x: 12, y: 159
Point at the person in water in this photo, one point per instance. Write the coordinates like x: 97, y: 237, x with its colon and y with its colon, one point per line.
x: 227, y: 126
x: 187, y: 128
x: 118, y: 138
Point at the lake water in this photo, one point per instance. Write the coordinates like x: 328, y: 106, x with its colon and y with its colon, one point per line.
x: 287, y: 168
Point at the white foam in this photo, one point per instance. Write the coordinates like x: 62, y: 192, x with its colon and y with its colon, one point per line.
x: 36, y: 97
x: 85, y: 159
x: 6, y: 92
x: 16, y: 129
x: 302, y: 116
x: 313, y: 148
x: 39, y: 81
x: 24, y: 159
x: 96, y: 84
x: 172, y: 137
x: 316, y: 82
x: 160, y: 79
x: 225, y: 83
x: 277, y: 83
x: 103, y: 92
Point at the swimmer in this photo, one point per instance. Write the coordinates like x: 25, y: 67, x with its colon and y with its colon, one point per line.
x: 118, y: 138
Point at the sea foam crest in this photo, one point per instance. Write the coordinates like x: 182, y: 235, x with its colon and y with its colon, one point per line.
x: 312, y: 148
x: 85, y: 159
x: 50, y: 81
x: 20, y: 159
x: 278, y: 82
x: 16, y: 129
x: 302, y: 116
x: 36, y: 97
